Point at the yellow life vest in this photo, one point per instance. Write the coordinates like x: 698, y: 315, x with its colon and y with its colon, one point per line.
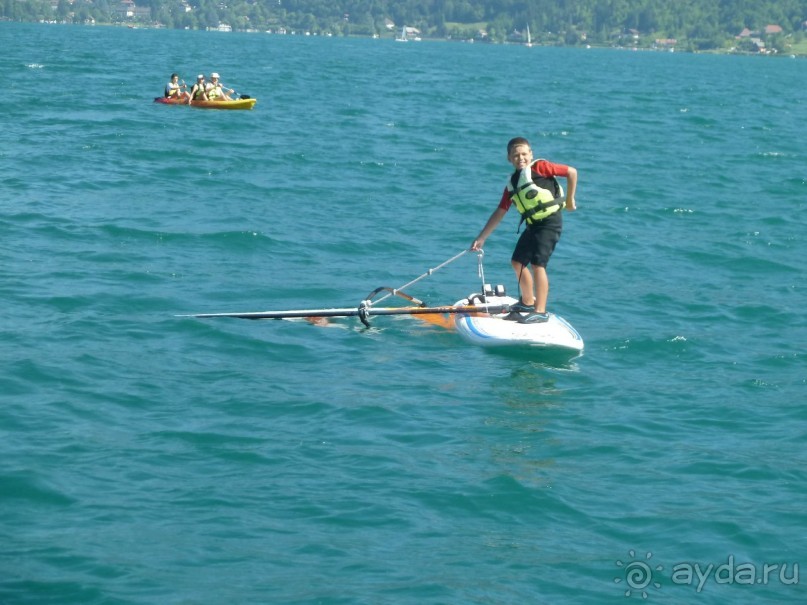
x: 534, y: 201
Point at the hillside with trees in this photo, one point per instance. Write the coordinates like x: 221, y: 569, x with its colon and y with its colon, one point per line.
x: 686, y: 24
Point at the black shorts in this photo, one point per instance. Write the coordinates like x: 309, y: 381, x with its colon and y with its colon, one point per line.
x: 538, y: 241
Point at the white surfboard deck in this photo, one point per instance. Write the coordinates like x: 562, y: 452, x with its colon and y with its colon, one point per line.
x: 496, y: 331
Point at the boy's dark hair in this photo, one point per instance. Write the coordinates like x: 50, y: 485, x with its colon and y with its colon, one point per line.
x: 515, y: 142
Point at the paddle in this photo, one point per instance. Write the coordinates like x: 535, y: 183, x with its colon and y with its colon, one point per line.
x: 234, y: 92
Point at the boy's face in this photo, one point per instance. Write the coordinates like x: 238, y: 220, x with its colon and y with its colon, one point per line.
x: 520, y: 156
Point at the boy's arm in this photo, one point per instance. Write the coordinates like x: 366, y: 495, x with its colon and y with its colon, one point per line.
x: 493, y: 222
x: 571, y: 187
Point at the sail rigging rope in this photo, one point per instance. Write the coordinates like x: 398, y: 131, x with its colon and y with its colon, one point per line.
x: 395, y: 291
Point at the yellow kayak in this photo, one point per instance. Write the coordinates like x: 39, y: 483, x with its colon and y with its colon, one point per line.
x: 233, y: 104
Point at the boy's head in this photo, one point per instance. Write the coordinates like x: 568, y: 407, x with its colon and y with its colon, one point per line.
x: 519, y: 153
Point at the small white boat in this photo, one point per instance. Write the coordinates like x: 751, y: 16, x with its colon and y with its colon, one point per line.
x: 494, y: 330
x: 402, y: 37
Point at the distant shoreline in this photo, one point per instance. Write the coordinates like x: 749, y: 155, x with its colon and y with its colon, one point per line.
x: 799, y: 52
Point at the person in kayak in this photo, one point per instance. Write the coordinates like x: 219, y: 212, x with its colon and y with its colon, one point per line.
x: 539, y: 198
x: 215, y: 89
x: 199, y: 90
x: 174, y: 90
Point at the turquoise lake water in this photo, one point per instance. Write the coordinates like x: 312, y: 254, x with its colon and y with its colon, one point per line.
x: 147, y: 458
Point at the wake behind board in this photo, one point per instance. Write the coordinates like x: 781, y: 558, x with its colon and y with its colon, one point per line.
x: 493, y: 330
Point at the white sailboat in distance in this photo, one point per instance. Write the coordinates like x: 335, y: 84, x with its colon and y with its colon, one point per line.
x: 529, y: 39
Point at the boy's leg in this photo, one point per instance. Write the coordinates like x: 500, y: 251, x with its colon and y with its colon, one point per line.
x: 541, y: 288
x: 525, y: 283
x: 547, y: 236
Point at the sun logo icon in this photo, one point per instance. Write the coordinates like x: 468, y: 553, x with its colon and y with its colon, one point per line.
x: 638, y: 574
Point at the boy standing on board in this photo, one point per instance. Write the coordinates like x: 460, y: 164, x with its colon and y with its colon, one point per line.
x: 539, y: 198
